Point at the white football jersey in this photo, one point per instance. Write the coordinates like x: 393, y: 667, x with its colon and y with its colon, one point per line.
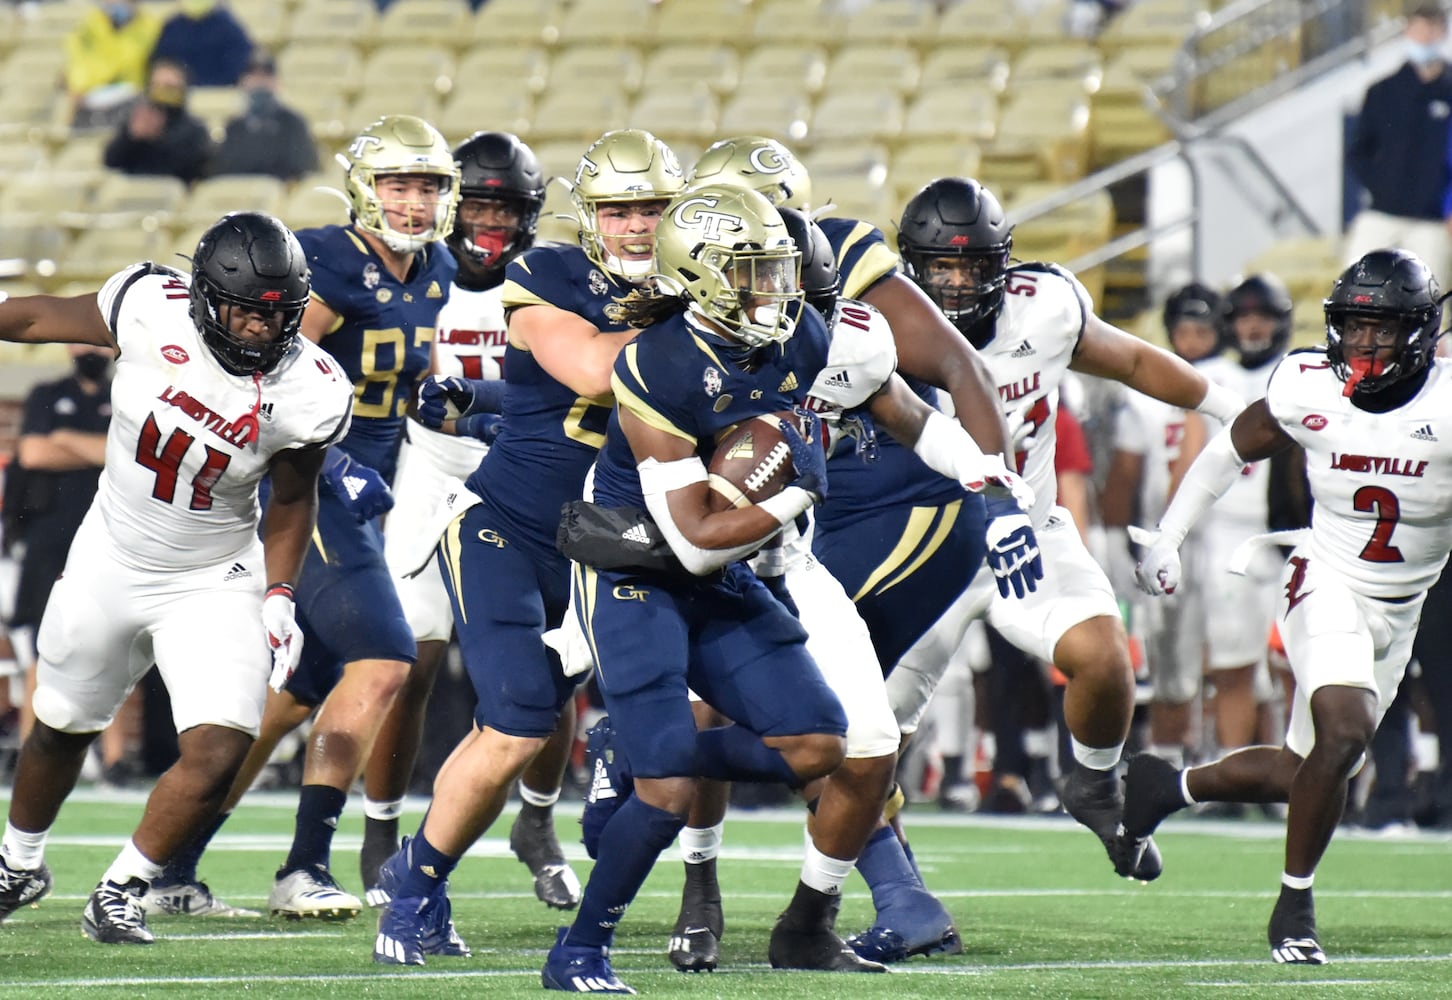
x: 1155, y: 431
x: 1043, y: 316
x: 179, y: 490
x: 1248, y: 499
x: 1382, y: 482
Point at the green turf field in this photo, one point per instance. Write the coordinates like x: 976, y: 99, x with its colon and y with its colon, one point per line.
x: 1041, y: 913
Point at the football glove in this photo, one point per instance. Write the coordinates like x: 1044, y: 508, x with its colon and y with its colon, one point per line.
x: 1158, y: 570
x: 443, y: 398
x: 361, y: 489
x: 279, y: 618
x: 484, y: 426
x: 1013, y: 549
x: 809, y: 458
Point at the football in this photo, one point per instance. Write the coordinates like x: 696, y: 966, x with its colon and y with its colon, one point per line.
x: 752, y: 461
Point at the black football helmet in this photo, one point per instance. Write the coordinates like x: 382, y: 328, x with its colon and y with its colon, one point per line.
x: 1196, y: 303
x: 1390, y: 285
x: 253, y: 261
x: 820, y: 281
x: 495, y: 165
x: 958, y: 217
x: 1262, y: 293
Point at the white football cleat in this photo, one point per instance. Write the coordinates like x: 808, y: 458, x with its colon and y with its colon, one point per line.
x: 189, y: 899
x: 311, y: 894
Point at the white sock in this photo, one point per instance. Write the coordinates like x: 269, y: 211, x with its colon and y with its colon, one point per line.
x: 1097, y: 758
x: 22, y: 850
x: 540, y: 800
x: 1185, y: 787
x: 1297, y: 881
x: 700, y: 844
x: 374, y: 809
x: 130, y: 864
x: 823, y: 873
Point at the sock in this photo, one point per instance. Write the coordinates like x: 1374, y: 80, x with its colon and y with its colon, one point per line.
x: 1298, y: 882
x: 952, y: 771
x: 22, y: 850
x: 183, y: 864
x: 701, y: 844
x: 540, y: 800
x: 810, y: 908
x: 734, y: 753
x: 629, y: 846
x: 427, y: 868
x: 1190, y: 800
x: 885, y: 867
x: 318, y: 809
x: 1097, y: 758
x: 379, y: 809
x: 130, y: 864
x: 824, y: 872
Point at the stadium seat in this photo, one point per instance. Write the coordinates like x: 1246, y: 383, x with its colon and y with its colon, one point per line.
x: 83, y: 152
x: 30, y: 249
x: 602, y: 22
x: 1162, y: 23
x: 216, y: 196
x: 687, y: 114
x: 323, y: 110
x: 580, y: 114
x: 127, y: 201
x: 19, y: 157
x: 1063, y: 61
x: 384, y: 97
x: 909, y: 22
x: 1042, y: 135
x: 507, y: 24
x: 783, y: 21
x: 866, y: 114
x: 214, y: 105
x: 920, y: 161
x: 775, y: 68
x: 981, y: 22
x: 847, y: 171
x: 499, y: 69
x: 783, y: 116
x: 45, y: 25
x: 1308, y: 265
x: 41, y: 197
x: 476, y: 109
x: 691, y: 22
x: 307, y: 207
x: 558, y: 158
x: 556, y: 220
x: 715, y: 65
x: 319, y: 65
x: 953, y: 66
x: 952, y: 114
x: 332, y: 21
x: 99, y: 253
x: 873, y: 67
x: 446, y: 23
x: 407, y: 66
x: 268, y: 22
x: 591, y: 67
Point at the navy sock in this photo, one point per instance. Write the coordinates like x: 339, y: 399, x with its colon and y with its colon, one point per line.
x: 907, y: 851
x: 183, y: 864
x: 427, y: 867
x: 733, y: 753
x: 885, y: 867
x: 629, y: 846
x: 318, y: 809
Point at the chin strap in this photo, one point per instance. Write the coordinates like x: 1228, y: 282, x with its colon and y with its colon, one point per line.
x: 245, y: 428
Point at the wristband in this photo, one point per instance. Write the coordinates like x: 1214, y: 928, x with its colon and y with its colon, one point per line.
x: 285, y: 589
x: 1220, y: 403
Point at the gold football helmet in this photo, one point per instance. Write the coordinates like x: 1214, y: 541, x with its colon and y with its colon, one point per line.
x: 623, y: 165
x: 756, y: 162
x: 399, y: 144
x: 727, y: 252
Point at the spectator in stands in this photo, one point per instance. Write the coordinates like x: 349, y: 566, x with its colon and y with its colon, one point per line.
x: 1399, y: 152
x: 159, y: 135
x: 268, y: 137
x: 106, y: 57
x: 206, y: 38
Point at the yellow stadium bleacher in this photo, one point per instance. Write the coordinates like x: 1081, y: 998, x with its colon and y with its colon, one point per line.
x: 476, y: 109
x: 909, y: 22
x: 981, y: 22
x: 578, y: 114
x: 781, y: 115
x: 873, y: 67
x: 916, y: 163
x: 45, y: 25
x: 1308, y: 265
x: 214, y: 197
x: 41, y: 197
x: 332, y: 21
x: 850, y: 170
x: 443, y: 23
x: 952, y: 114
x: 317, y: 66
x: 592, y: 67
x: 129, y: 201
x: 686, y: 115
x: 1062, y: 61
x: 715, y: 65
x: 268, y: 22
x: 99, y: 253
x: 690, y: 22
x: 782, y: 21
x: 865, y: 114
x: 514, y: 70
x: 774, y: 68
x: 424, y: 65
x: 949, y: 67
x: 603, y: 22
x: 379, y: 98
x: 82, y: 152
x: 214, y: 106
x: 306, y: 207
x: 507, y: 24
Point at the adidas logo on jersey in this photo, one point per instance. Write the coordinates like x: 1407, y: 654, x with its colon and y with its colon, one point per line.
x: 1024, y: 350
x: 789, y: 383
x: 1424, y: 433
x: 265, y: 410
x: 354, y: 485
x: 237, y: 572
x: 636, y: 533
x: 839, y: 381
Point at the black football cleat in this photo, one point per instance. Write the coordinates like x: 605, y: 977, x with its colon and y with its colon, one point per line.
x: 695, y: 944
x: 804, y: 938
x: 1292, y: 929
x: 20, y: 887
x: 533, y: 841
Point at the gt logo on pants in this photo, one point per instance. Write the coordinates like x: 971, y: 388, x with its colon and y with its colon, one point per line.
x: 491, y: 537
x: 621, y: 592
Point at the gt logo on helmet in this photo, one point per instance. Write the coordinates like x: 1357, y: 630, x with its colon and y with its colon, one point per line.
x: 767, y: 160
x: 692, y: 212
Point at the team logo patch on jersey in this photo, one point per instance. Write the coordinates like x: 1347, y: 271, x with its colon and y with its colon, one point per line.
x: 1024, y: 350
x: 597, y: 283
x: 434, y: 291
x: 711, y: 380
x: 371, y: 276
x: 1314, y: 422
x: 383, y: 295
x: 1424, y: 433
x: 176, y: 354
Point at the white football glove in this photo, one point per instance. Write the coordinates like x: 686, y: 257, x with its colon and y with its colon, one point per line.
x: 1158, y: 571
x: 994, y: 477
x: 279, y: 618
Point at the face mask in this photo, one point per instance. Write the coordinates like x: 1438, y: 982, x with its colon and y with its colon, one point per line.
x: 1424, y: 55
x: 260, y: 99
x: 120, y: 14
x: 92, y: 367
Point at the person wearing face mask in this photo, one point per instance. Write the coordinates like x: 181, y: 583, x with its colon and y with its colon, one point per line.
x: 267, y: 137
x: 1399, y: 152
x: 106, y: 57
x: 159, y: 135
x: 206, y: 37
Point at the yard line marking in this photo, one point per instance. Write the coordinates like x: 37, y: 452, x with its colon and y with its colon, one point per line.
x: 1247, y: 984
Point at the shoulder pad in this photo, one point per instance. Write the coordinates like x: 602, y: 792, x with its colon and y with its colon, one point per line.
x: 861, y: 357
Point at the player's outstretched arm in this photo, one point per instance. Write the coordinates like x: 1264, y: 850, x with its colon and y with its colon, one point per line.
x: 929, y: 348
x: 292, y: 511
x: 673, y: 481
x: 1109, y: 352
x: 51, y: 319
x: 567, y: 346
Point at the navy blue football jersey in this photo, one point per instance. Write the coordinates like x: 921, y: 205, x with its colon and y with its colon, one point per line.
x: 384, y: 333
x: 676, y: 379
x: 550, y: 434
x: 863, y: 257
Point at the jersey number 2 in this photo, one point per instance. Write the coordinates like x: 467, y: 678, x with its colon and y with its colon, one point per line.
x: 1384, y: 502
x: 165, y: 461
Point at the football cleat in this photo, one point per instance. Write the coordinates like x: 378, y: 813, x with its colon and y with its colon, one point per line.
x: 1094, y: 799
x: 912, y: 923
x: 1292, y: 929
x: 533, y: 841
x: 575, y: 969
x: 610, y: 783
x: 437, y: 936
x: 695, y: 944
x: 311, y: 894
x: 189, y: 899
x: 1151, y: 792
x: 810, y: 943
x: 22, y: 888
x: 1298, y: 951
x: 113, y: 914
x: 374, y: 852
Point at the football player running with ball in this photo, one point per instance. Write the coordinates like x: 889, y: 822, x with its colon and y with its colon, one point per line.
x: 214, y: 390
x: 1370, y: 408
